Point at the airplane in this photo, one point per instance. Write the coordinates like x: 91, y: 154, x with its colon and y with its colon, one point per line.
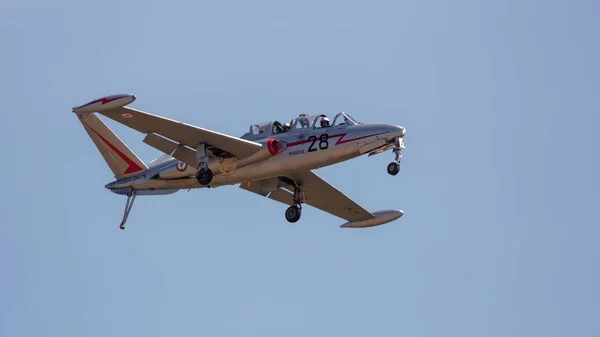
x: 272, y: 159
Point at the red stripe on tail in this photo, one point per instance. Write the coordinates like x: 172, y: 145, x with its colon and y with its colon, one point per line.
x: 133, y: 167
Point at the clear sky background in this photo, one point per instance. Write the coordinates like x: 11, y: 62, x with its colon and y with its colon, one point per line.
x: 499, y: 182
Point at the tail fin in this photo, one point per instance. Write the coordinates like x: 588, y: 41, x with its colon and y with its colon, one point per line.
x: 121, y: 160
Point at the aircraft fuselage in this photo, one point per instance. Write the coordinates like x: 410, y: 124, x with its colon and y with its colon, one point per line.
x: 298, y: 150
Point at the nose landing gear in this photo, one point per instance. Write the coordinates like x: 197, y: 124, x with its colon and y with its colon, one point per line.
x: 394, y: 167
x: 293, y: 213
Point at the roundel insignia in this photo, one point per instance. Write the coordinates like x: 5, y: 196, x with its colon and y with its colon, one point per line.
x: 127, y: 115
x: 181, y: 166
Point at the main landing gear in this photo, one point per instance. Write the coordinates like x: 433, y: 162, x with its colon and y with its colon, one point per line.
x: 394, y: 167
x: 293, y: 213
x: 128, y: 206
x: 204, y: 175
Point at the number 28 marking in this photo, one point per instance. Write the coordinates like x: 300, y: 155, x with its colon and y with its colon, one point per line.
x: 323, y: 142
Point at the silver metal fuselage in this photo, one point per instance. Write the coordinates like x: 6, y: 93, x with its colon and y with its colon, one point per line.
x: 300, y: 150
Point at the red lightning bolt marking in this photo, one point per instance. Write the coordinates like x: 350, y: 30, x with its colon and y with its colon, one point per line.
x: 133, y: 167
x: 104, y: 100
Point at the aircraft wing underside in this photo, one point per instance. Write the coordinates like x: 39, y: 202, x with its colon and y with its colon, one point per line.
x: 317, y: 192
x: 179, y: 134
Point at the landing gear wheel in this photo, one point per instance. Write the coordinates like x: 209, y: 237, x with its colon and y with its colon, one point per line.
x: 393, y: 168
x: 204, y: 176
x: 293, y: 213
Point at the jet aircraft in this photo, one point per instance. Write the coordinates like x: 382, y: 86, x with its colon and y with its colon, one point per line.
x: 273, y: 159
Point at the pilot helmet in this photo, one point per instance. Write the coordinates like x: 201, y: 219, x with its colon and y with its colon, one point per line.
x: 286, y: 127
x: 304, y: 121
x: 325, y: 122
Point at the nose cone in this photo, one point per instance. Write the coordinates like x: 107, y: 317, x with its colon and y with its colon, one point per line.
x: 399, y: 131
x: 403, y: 131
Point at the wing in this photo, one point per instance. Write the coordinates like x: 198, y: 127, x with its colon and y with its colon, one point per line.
x: 317, y: 192
x: 168, y: 135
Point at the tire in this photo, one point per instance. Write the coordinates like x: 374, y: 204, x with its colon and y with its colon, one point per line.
x: 293, y: 213
x: 205, y: 176
x: 393, y: 168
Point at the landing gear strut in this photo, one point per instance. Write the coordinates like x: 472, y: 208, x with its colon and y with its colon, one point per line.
x: 128, y: 205
x: 293, y: 213
x: 394, y: 167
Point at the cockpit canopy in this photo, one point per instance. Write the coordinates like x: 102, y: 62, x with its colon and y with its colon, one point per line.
x: 267, y: 128
x: 303, y: 122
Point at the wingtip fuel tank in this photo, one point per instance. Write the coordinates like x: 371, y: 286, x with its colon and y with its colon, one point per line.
x: 106, y: 103
x: 381, y: 217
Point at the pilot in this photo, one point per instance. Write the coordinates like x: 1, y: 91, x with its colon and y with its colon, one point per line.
x: 303, y: 121
x: 286, y: 127
x: 325, y: 122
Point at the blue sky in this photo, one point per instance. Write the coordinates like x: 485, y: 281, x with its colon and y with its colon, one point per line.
x: 499, y: 182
